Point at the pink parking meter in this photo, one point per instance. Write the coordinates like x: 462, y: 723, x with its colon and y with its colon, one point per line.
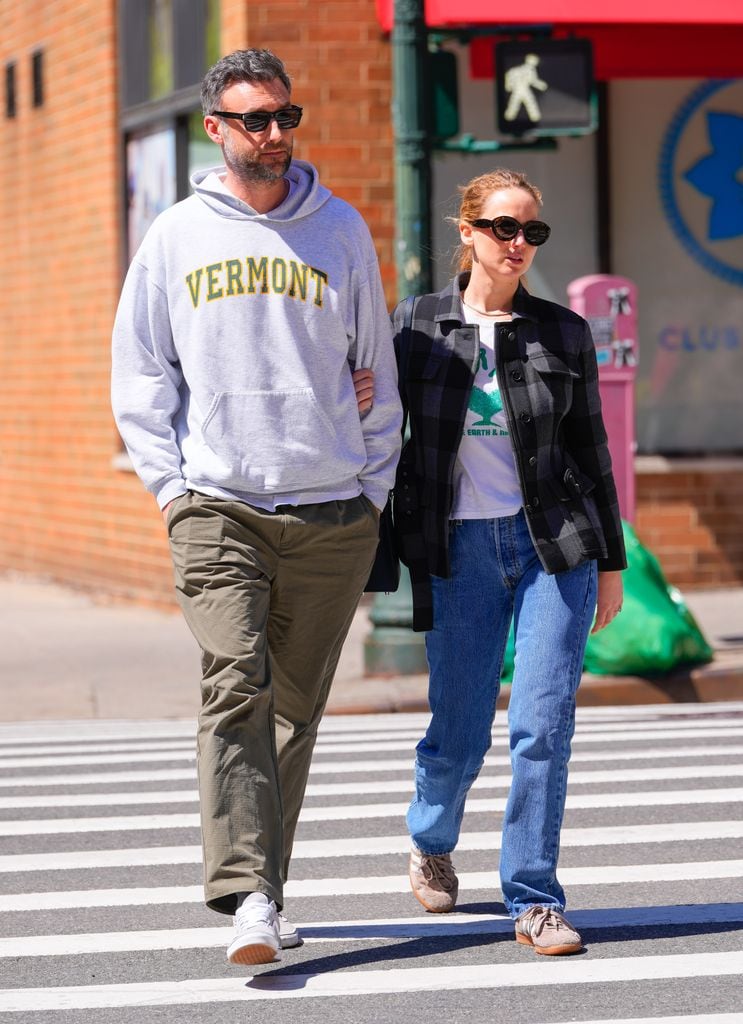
x: 609, y: 304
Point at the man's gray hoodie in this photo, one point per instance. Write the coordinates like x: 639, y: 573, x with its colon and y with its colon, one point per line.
x: 233, y: 347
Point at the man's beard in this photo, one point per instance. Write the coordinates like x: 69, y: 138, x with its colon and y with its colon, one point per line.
x: 251, y: 169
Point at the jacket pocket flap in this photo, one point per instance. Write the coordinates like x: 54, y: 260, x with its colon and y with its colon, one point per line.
x: 546, y: 362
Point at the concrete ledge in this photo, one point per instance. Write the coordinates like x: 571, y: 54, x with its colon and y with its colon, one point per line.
x: 720, y: 680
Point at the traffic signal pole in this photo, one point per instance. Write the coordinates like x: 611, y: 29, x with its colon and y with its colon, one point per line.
x: 412, y: 150
x: 392, y: 648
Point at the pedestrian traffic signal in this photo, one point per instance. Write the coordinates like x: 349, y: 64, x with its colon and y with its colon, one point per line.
x: 545, y: 87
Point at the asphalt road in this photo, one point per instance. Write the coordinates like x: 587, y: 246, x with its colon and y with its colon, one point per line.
x: 100, y: 902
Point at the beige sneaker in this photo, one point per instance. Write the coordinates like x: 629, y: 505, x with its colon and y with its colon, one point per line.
x: 547, y: 931
x: 434, y: 881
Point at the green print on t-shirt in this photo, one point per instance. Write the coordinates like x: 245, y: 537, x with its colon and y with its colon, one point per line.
x: 485, y: 404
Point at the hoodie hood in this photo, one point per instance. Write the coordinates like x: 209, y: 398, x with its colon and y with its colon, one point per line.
x: 306, y: 194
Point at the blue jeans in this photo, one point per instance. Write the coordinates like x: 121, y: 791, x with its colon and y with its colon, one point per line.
x: 496, y: 576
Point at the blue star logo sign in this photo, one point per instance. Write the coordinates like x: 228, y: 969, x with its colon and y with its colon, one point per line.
x: 720, y: 175
x: 701, y: 177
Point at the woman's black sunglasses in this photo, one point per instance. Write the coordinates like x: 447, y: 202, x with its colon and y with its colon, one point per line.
x: 536, y: 232
x: 259, y: 120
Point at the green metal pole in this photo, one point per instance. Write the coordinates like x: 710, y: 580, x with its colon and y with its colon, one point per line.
x: 392, y: 648
x: 412, y: 150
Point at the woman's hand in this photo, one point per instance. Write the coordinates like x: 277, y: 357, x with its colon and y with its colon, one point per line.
x: 363, y: 383
x: 609, y: 601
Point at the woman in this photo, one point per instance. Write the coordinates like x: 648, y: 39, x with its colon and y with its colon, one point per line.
x: 506, y: 509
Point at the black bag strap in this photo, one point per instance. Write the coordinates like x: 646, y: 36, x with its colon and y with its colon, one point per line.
x: 407, y: 330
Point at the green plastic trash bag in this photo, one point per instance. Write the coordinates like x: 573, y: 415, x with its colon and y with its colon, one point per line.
x: 655, y: 631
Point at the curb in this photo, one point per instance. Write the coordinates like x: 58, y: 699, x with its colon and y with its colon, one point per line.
x: 720, y: 680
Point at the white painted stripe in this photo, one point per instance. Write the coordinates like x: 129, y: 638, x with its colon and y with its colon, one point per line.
x: 67, y: 760
x: 361, y: 767
x: 503, y: 781
x: 354, y: 747
x: 33, y: 732
x: 584, y: 730
x: 98, y: 729
x: 617, y: 874
x: 101, y: 778
x: 614, y: 835
x: 359, y: 930
x: 695, y: 1018
x: 355, y: 812
x: 33, y: 747
x: 97, y: 748
x: 318, y: 789
x: 198, y: 991
x: 362, y: 746
x: 58, y: 800
x: 575, y: 801
x: 131, y: 823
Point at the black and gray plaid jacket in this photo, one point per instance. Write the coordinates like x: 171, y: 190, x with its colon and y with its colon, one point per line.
x: 547, y: 372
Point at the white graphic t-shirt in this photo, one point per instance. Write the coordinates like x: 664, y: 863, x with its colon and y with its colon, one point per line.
x: 485, y: 482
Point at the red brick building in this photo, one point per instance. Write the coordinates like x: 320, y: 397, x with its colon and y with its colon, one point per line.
x: 69, y: 508
x: 75, y: 106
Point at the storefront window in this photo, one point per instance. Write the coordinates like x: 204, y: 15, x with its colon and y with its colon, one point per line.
x: 202, y: 152
x: 151, y: 181
x: 162, y: 80
x: 166, y: 46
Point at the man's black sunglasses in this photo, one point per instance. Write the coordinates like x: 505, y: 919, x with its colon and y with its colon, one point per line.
x: 259, y: 120
x: 536, y: 232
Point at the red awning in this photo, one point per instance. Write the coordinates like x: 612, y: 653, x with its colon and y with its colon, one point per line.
x: 643, y: 51
x: 447, y: 13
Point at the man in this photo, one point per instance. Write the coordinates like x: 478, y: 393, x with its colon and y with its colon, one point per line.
x: 241, y: 318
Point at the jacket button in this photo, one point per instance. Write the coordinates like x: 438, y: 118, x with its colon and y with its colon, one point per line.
x: 517, y: 375
x: 532, y: 460
x: 525, y: 417
x: 534, y: 502
x: 511, y: 336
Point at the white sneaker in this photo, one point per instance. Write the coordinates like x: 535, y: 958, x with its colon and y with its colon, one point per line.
x: 257, y: 937
x: 289, y: 933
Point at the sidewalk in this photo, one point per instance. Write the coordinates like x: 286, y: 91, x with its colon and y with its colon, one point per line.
x: 66, y: 655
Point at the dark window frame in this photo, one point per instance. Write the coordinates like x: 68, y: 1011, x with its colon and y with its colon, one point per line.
x: 11, y: 90
x: 37, y: 78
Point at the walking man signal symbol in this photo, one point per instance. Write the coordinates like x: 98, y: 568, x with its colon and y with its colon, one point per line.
x: 520, y: 82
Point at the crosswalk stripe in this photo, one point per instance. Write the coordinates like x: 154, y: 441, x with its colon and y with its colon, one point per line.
x: 575, y: 801
x: 185, y: 744
x: 694, y: 1018
x: 305, y: 849
x: 59, y: 731
x: 360, y: 930
x: 615, y: 874
x: 326, y: 741
x: 485, y: 781
x: 356, y: 767
x: 580, y: 739
x: 355, y: 747
x: 197, y: 991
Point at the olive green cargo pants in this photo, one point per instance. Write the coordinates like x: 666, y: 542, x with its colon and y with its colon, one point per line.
x: 269, y: 597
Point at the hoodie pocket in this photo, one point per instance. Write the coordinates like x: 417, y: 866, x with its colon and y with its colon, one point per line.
x: 270, y: 441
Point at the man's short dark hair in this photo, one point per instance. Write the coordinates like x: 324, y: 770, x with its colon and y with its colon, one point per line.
x: 240, y: 66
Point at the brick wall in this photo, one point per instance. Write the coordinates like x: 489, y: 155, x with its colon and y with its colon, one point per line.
x: 689, y: 514
x: 66, y: 511
x: 341, y: 71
